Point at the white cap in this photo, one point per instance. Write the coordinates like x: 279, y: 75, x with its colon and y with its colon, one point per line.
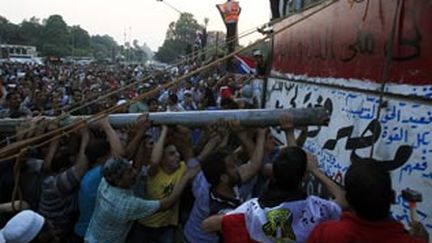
x: 257, y: 52
x: 121, y: 102
x: 22, y: 228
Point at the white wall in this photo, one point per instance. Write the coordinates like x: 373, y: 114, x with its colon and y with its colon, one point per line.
x: 404, y: 126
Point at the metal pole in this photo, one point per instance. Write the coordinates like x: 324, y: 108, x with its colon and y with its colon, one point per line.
x: 255, y: 117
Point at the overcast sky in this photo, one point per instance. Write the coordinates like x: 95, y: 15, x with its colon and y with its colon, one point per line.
x: 144, y: 20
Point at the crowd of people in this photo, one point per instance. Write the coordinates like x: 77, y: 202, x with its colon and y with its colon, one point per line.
x: 31, y: 90
x: 151, y: 183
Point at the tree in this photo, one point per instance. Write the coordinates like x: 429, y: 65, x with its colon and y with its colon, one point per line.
x: 55, y: 35
x: 179, y: 36
x: 168, y: 52
x: 138, y: 53
x: 30, y: 32
x: 147, y: 50
x: 186, y: 28
x: 7, y: 30
x: 134, y: 52
x: 103, y: 47
x: 80, y: 41
x: 215, y: 43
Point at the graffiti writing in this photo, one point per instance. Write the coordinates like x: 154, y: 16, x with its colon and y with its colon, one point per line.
x: 355, y: 143
x: 307, y: 102
x: 409, y: 48
x: 400, y: 139
x: 403, y: 153
x: 364, y: 44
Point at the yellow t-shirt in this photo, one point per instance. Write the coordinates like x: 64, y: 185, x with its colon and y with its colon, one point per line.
x: 158, y: 187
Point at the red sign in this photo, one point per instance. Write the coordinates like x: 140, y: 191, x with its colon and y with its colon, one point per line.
x: 350, y: 38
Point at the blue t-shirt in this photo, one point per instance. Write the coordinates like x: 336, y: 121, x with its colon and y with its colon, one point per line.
x: 87, y: 198
x: 200, y: 211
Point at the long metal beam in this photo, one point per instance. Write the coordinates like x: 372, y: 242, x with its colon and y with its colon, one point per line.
x: 254, y: 117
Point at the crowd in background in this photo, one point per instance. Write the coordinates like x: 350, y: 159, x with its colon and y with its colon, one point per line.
x: 31, y: 90
x: 159, y: 184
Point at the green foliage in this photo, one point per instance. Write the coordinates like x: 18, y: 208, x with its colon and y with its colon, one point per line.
x: 53, y: 37
x: 215, y: 43
x: 30, y: 32
x: 103, y: 46
x: 169, y: 51
x: 80, y: 38
x: 8, y: 30
x: 179, y: 37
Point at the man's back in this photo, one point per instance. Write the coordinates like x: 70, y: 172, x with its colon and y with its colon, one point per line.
x: 289, y: 221
x: 200, y: 211
x: 351, y: 228
x: 116, y: 209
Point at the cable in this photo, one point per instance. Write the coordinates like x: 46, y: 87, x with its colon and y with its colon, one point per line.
x: 387, y: 64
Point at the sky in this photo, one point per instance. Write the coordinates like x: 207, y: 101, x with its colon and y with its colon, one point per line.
x: 126, y: 20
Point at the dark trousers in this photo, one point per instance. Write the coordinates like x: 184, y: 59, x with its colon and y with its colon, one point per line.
x: 142, y: 234
x: 74, y: 238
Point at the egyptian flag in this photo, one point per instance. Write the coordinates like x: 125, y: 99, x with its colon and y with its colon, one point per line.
x: 234, y: 229
x: 290, y: 221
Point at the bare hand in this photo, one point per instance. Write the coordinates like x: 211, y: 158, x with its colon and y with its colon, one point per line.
x: 418, y: 230
x: 312, y: 162
x: 24, y: 129
x: 303, y: 129
x: 234, y: 125
x: 218, y: 127
x: 286, y: 123
x: 39, y: 125
x: 143, y: 123
x: 215, y: 140
x: 103, y: 122
x: 182, y: 130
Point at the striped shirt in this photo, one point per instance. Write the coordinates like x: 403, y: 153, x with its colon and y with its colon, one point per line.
x: 59, y: 199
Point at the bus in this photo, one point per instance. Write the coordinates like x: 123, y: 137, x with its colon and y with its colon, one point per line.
x: 19, y: 53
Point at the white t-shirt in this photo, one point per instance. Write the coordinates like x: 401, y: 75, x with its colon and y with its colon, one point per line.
x: 288, y: 222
